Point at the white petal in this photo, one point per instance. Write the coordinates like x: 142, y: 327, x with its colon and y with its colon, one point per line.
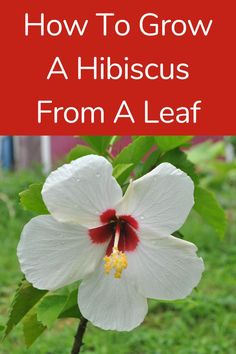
x: 52, y: 254
x: 161, y: 200
x: 166, y: 268
x: 111, y: 303
x: 82, y: 190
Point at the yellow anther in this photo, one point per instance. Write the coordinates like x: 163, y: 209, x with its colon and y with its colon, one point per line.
x: 117, y: 261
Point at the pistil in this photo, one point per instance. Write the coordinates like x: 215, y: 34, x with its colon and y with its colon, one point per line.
x: 117, y: 260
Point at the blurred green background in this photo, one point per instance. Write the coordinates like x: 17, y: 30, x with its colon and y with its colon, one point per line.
x: 204, y: 323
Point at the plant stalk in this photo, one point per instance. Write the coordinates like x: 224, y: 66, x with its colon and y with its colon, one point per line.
x: 78, y: 342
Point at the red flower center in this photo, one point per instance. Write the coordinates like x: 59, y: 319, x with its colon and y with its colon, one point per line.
x: 128, y: 226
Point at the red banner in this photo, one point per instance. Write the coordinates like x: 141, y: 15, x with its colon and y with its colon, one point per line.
x: 115, y: 67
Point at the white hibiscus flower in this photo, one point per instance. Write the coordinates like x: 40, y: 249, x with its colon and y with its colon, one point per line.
x: 121, y: 247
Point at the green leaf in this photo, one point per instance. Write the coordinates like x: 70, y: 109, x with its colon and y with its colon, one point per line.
x: 2, y: 328
x: 206, y: 151
x: 122, y: 171
x: 167, y: 143
x: 135, y: 151
x: 50, y: 308
x: 149, y: 164
x: 26, y: 297
x: 179, y: 159
x: 31, y: 199
x: 134, y: 137
x: 178, y: 234
x: 32, y: 328
x: 98, y: 143
x: 71, y: 308
x: 79, y: 151
x: 208, y: 207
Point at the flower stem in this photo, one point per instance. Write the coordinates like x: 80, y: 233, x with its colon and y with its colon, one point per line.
x: 78, y: 342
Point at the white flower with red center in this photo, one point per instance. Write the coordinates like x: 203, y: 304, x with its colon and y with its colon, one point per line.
x: 120, y: 246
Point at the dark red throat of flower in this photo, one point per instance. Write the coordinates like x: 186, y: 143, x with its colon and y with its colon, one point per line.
x: 126, y: 225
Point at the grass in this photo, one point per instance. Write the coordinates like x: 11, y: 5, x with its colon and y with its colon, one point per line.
x: 204, y: 323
